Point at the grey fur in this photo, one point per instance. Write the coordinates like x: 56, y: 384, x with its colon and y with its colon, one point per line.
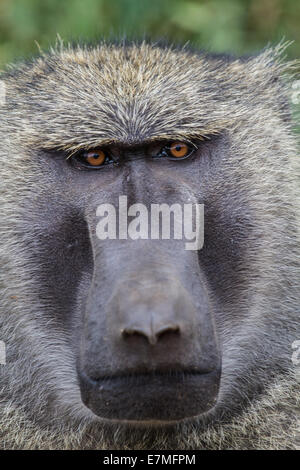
x: 65, y: 100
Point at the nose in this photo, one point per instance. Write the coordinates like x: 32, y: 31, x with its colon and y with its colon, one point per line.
x: 151, y: 326
x: 152, y: 313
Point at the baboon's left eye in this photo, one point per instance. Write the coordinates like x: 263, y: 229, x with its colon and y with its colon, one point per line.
x: 178, y: 150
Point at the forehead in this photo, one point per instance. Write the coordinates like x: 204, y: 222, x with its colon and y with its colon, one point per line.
x: 129, y: 95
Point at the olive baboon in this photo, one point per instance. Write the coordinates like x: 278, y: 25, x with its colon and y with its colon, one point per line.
x: 142, y: 344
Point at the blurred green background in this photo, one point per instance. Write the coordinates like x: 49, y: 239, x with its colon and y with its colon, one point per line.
x: 238, y: 26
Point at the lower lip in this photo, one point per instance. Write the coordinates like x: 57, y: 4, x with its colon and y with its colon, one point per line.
x: 155, y: 399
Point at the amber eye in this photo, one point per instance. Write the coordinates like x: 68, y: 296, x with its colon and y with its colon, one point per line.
x: 179, y: 150
x: 95, y: 157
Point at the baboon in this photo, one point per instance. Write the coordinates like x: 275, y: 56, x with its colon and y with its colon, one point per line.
x: 123, y: 343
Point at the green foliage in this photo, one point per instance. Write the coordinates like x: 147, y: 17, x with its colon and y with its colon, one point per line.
x: 239, y: 26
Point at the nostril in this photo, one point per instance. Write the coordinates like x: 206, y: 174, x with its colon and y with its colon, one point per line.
x: 151, y: 334
x: 164, y: 331
x: 138, y: 332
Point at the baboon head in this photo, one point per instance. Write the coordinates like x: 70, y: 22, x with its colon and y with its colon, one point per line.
x: 111, y: 321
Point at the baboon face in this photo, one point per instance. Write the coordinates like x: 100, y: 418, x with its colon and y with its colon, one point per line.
x: 144, y: 331
x: 140, y: 312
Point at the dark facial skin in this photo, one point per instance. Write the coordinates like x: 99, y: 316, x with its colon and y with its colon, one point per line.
x: 142, y: 316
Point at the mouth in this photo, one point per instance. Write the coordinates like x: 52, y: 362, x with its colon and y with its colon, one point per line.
x: 156, y: 398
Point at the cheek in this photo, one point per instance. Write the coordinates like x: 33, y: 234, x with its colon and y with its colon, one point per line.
x: 60, y: 256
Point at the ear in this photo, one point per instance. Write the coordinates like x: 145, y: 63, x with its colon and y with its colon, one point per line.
x: 276, y: 79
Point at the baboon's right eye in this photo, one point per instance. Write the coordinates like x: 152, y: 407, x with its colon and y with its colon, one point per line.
x: 94, y: 159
